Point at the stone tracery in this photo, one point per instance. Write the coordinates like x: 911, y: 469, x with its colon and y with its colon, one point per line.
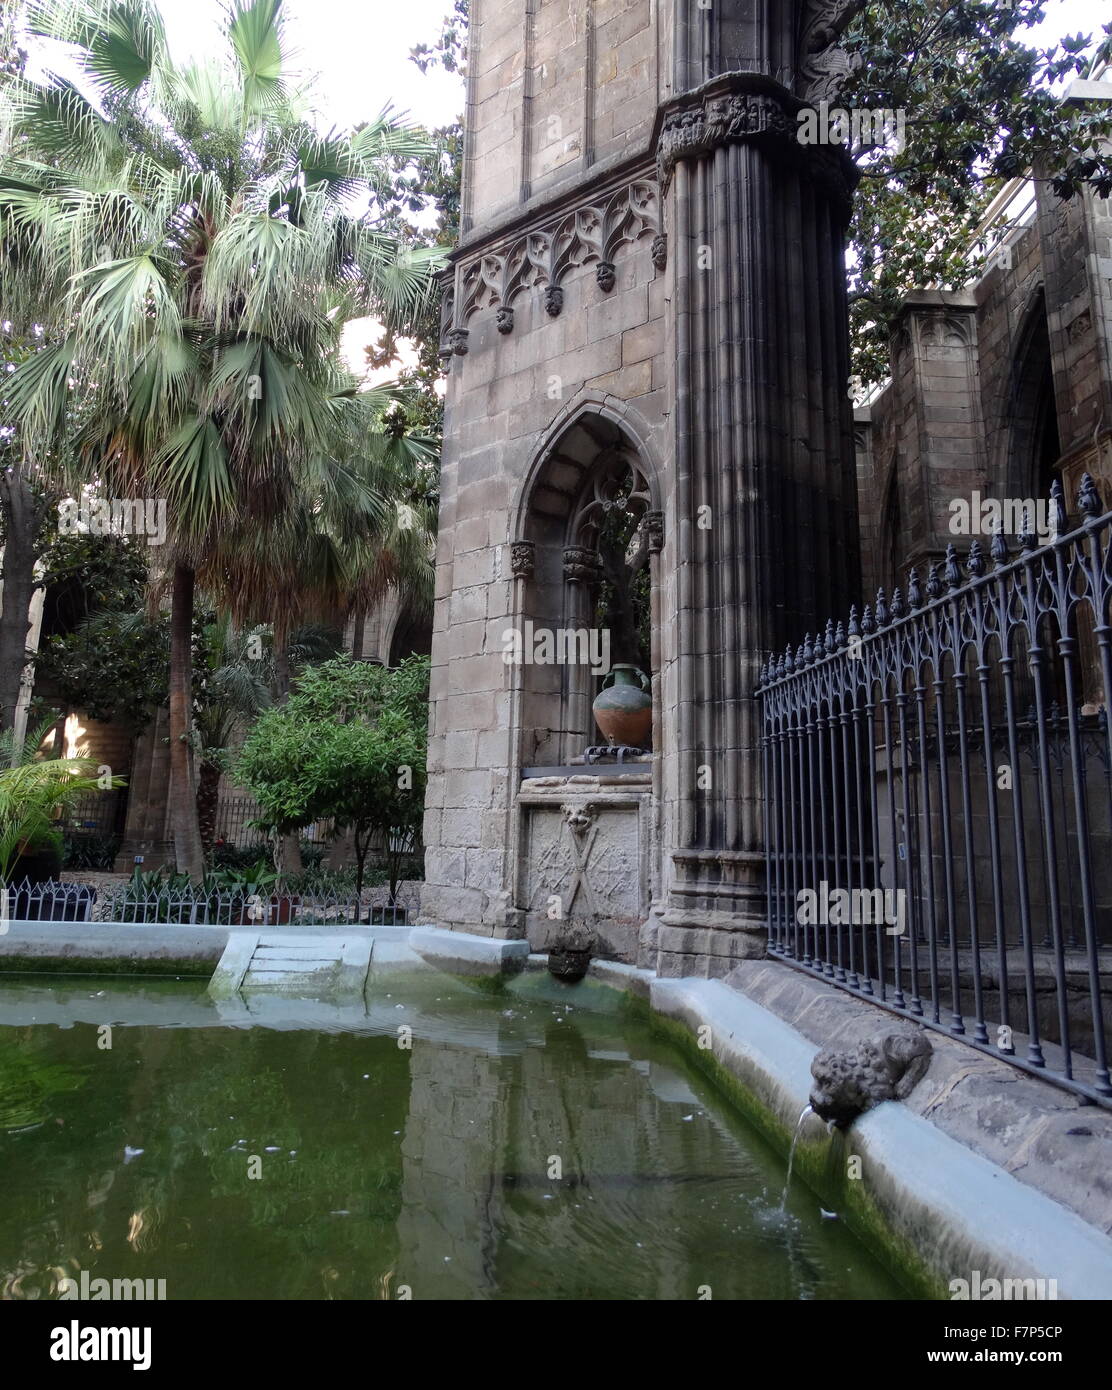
x: 593, y: 234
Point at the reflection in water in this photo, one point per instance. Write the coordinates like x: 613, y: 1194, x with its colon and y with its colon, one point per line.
x: 531, y: 1145
x: 28, y: 1079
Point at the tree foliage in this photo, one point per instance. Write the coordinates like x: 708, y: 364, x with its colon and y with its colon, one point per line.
x: 348, y: 745
x: 981, y: 106
x: 192, y: 244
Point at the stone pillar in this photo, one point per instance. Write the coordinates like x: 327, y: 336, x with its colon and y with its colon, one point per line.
x: 764, y: 465
x: 941, y: 444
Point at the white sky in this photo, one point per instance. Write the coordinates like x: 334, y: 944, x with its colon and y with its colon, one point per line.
x: 1070, y: 17
x: 360, y: 49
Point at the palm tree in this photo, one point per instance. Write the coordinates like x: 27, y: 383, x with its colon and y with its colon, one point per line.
x: 358, y: 530
x: 199, y: 245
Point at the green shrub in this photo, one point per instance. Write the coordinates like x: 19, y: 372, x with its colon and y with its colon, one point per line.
x: 95, y: 853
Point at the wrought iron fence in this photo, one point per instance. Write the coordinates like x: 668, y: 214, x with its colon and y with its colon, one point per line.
x: 185, y: 905
x: 938, y: 800
x: 95, y: 812
x: 234, y: 815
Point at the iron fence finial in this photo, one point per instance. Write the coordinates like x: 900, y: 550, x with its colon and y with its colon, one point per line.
x: 1058, y: 521
x: 1088, y: 498
x: 934, y: 581
x: 914, y: 590
x: 952, y: 571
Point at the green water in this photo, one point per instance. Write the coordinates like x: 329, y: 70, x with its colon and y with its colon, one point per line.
x: 534, y: 1144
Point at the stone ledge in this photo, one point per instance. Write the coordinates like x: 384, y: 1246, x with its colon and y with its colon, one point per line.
x: 949, y: 1209
x: 461, y: 953
x: 123, y: 948
x: 1009, y: 1117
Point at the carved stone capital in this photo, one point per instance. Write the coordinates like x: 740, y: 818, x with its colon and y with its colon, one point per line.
x: 581, y: 565
x: 747, y: 107
x: 724, y: 111
x: 523, y: 559
x: 654, y: 527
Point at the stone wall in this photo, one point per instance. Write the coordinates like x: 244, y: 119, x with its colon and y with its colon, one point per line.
x: 961, y: 414
x: 651, y: 271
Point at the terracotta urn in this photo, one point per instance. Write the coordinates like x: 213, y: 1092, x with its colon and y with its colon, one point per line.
x: 623, y: 708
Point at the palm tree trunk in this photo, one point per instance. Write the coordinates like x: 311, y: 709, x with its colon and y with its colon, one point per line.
x: 208, y: 795
x: 21, y: 516
x: 289, y: 853
x: 183, y: 811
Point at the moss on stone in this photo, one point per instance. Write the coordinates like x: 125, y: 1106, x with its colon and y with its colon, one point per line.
x: 106, y: 965
x: 821, y: 1164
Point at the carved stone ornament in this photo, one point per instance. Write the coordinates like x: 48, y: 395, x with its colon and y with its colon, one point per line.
x: 654, y: 526
x: 726, y: 110
x: 569, y: 951
x: 593, y: 234
x: 741, y: 107
x: 523, y: 559
x: 823, y: 65
x: 581, y: 565
x: 579, y: 817
x: 849, y: 1083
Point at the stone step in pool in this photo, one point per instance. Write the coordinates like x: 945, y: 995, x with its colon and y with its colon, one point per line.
x: 325, y: 964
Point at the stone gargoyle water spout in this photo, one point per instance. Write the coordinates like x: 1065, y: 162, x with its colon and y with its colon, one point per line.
x: 570, y: 950
x: 885, y: 1067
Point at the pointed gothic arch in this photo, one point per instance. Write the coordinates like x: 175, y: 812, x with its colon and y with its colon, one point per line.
x: 589, y: 533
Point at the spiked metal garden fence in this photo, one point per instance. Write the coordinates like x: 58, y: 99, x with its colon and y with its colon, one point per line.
x: 192, y: 904
x: 938, y: 779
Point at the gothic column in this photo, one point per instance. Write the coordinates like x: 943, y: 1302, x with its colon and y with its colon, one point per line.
x: 765, y: 485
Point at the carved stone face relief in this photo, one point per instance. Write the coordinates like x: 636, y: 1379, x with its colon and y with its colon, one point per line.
x: 579, y: 818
